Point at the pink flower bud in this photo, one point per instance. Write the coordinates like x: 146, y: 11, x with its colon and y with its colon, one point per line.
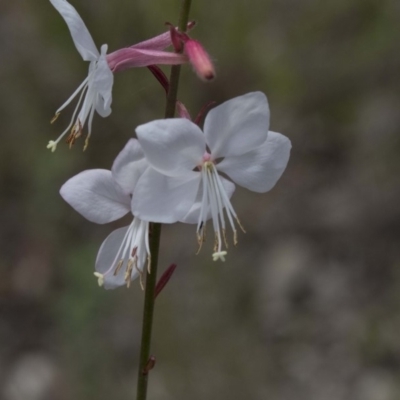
x: 200, y: 60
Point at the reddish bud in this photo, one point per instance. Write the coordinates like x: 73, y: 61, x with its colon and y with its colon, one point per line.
x: 165, y: 277
x: 149, y: 365
x: 160, y: 76
x: 200, y: 60
x: 182, y: 110
x: 200, y: 116
x: 176, y: 37
x: 191, y: 25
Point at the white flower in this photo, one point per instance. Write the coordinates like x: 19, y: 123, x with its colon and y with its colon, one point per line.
x: 102, y: 196
x: 184, y: 183
x: 96, y: 90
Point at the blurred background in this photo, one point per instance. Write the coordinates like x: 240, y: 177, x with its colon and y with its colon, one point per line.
x: 307, y: 306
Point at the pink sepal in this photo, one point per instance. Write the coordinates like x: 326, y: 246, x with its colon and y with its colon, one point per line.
x: 160, y: 76
x: 182, y: 110
x: 204, y: 110
x: 129, y: 57
x: 165, y: 277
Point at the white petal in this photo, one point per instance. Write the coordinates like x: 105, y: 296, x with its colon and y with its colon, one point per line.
x: 106, y: 259
x: 129, y: 166
x: 192, y: 217
x: 159, y: 198
x: 260, y: 169
x: 103, y: 83
x: 172, y: 146
x: 95, y: 195
x: 238, y: 125
x: 80, y: 34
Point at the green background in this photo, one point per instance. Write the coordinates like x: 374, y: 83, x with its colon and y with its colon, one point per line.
x: 307, y: 306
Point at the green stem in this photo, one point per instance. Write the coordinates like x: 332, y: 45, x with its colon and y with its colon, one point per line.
x: 155, y: 233
x: 176, y: 69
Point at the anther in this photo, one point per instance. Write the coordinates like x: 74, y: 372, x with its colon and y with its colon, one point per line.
x: 149, y: 264
x: 128, y: 272
x: 118, y: 267
x: 216, y: 242
x: 224, y: 236
x: 140, y: 276
x: 85, y: 146
x: 54, y: 119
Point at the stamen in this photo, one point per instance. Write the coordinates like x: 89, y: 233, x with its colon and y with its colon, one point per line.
x: 200, y: 240
x: 140, y: 277
x: 128, y: 272
x: 54, y: 119
x: 224, y: 236
x: 76, y: 132
x: 215, y: 200
x: 235, y: 240
x: 118, y: 267
x: 149, y: 263
x: 88, y: 95
x: 241, y: 227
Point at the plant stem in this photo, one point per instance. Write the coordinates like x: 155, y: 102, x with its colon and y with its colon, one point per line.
x: 155, y: 229
x: 176, y: 69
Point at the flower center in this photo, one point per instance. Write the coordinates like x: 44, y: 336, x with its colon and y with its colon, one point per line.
x: 131, y: 255
x: 214, y: 201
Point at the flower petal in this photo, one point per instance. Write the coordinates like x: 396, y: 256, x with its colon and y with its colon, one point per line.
x: 159, y: 42
x: 192, y: 217
x: 172, y: 146
x: 106, y: 259
x: 260, y: 169
x: 159, y: 198
x: 80, y: 34
x: 96, y: 196
x: 129, y: 166
x: 238, y: 125
x: 128, y: 57
x: 103, y: 82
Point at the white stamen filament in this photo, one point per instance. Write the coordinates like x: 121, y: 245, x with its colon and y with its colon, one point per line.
x: 131, y: 254
x: 87, y: 109
x: 215, y: 200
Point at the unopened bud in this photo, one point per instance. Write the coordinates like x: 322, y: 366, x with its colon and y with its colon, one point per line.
x: 182, y: 111
x: 151, y: 362
x: 165, y: 277
x: 200, y: 60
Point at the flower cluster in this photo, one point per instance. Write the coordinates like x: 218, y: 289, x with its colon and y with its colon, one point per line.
x: 173, y: 171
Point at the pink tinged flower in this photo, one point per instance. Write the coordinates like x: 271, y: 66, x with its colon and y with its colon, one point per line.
x: 184, y: 182
x: 103, y: 196
x: 195, y: 52
x: 199, y: 59
x: 95, y: 91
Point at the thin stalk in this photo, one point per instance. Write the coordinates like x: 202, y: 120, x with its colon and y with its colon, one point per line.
x: 155, y: 234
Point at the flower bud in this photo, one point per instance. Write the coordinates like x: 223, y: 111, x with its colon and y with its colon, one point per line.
x: 200, y: 60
